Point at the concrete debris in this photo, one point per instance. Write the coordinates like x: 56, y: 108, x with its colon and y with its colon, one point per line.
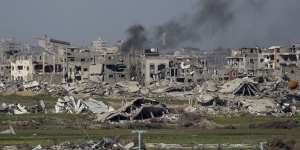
x: 38, y: 147
x: 39, y: 108
x: 138, y: 109
x: 97, y: 107
x: 4, y: 108
x: 168, y: 88
x: 2, y: 85
x: 210, y: 86
x: 57, y: 90
x: 103, y: 144
x: 10, y: 131
x: 233, y: 85
x: 70, y: 105
x: 128, y: 86
x: 281, y: 144
x: 13, y: 147
x: 196, y: 120
x: 190, y: 109
x: 207, y: 99
x: 18, y: 109
x: 246, y: 89
x: 259, y: 97
x: 31, y: 85
x: 260, y: 107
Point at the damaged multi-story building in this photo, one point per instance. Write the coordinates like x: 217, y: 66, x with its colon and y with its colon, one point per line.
x: 175, y: 68
x: 83, y: 64
x: 56, y: 61
x: 243, y: 62
x: 268, y: 62
x: 153, y: 66
x: 8, y: 49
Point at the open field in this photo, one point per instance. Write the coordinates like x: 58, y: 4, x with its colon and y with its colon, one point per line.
x: 180, y: 136
x: 49, y: 129
x: 28, y: 100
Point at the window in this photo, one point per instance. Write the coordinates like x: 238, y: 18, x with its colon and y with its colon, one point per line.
x: 292, y: 71
x: 261, y: 60
x: 20, y: 67
x: 110, y: 76
x: 85, y: 69
x: 251, y: 61
x: 82, y: 60
x: 161, y: 67
x: 278, y: 50
x: 152, y: 67
x: 27, y: 68
x: 122, y: 76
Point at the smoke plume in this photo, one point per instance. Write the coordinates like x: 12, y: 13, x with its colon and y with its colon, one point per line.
x: 211, y: 14
x: 225, y: 23
x: 136, y: 38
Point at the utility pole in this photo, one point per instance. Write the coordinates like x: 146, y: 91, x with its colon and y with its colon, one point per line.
x: 139, y: 132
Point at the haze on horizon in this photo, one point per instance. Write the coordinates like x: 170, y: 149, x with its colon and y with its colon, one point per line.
x: 253, y: 22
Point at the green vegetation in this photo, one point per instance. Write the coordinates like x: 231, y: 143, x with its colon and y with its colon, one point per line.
x: 181, y: 136
x: 28, y: 100
x: 49, y: 129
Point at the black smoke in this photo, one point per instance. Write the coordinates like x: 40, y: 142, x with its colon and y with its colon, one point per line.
x: 209, y: 17
x: 225, y: 23
x: 136, y: 38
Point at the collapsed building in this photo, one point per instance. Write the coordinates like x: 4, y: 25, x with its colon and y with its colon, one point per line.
x: 271, y: 62
x: 138, y: 109
x: 8, y: 49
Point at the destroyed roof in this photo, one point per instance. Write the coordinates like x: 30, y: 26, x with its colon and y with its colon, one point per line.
x: 138, y: 109
x: 231, y: 86
x: 60, y: 42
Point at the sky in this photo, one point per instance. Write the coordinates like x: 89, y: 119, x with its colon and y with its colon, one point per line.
x: 252, y: 22
x: 81, y: 21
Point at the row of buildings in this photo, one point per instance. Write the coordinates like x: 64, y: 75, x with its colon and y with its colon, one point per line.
x: 268, y: 62
x: 56, y: 61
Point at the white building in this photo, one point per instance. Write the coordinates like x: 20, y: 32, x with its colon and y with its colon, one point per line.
x: 22, y: 70
x: 101, y: 46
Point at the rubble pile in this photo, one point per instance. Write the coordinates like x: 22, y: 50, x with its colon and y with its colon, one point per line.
x: 102, y: 144
x: 244, y: 96
x: 2, y: 86
x: 241, y: 95
x: 57, y: 90
x: 138, y: 109
x: 17, y: 109
x: 97, y: 107
x: 33, y: 86
x: 70, y: 105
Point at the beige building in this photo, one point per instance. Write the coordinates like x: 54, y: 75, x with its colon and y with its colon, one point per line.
x: 101, y: 46
x: 22, y: 70
x: 154, y: 67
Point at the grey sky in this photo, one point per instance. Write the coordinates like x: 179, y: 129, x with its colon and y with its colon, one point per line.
x: 83, y: 20
x: 255, y: 22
